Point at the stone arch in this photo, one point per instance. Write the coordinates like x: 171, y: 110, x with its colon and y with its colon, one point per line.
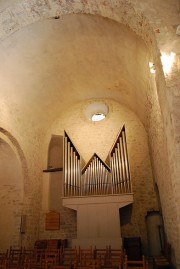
x: 13, y: 143
x: 27, y: 12
x: 12, y: 189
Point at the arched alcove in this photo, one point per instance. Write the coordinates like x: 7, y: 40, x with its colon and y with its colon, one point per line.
x: 55, y: 160
x: 55, y: 152
x: 11, y: 196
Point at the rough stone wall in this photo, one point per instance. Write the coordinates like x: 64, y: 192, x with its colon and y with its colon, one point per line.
x: 168, y: 124
x: 162, y: 163
x: 11, y: 207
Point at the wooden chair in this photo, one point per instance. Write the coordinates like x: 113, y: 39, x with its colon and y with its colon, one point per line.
x: 85, y: 257
x: 141, y: 264
x: 3, y: 259
x: 95, y: 264
x: 15, y: 259
x: 26, y: 254
x: 52, y: 258
x: 114, y: 259
x: 102, y: 254
x: 36, y: 261
x: 51, y: 262
x: 92, y: 264
x: 68, y: 258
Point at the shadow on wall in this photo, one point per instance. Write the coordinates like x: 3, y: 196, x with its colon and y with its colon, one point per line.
x: 125, y: 214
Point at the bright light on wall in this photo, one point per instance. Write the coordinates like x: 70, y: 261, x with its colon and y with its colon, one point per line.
x: 152, y: 68
x: 96, y: 110
x: 98, y: 116
x: 167, y: 62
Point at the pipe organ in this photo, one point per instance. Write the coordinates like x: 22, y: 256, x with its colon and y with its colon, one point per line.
x: 96, y: 177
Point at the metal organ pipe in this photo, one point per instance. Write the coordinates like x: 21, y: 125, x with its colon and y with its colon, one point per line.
x: 102, y: 180
x: 120, y: 168
x: 76, y: 174
x: 68, y: 168
x: 93, y: 177
x: 83, y: 183
x: 96, y: 175
x: 79, y: 175
x: 123, y: 167
x: 112, y: 174
x: 98, y: 165
x: 126, y: 161
x: 71, y: 171
x: 65, y: 166
x: 104, y: 183
x: 125, y: 164
x: 107, y: 185
x: 73, y: 174
x: 117, y: 171
x: 88, y: 181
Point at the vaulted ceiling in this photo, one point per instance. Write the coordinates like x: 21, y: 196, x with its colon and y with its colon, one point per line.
x: 51, y: 65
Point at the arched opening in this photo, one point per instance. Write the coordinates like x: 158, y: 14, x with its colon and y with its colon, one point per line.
x: 55, y: 160
x: 11, y: 196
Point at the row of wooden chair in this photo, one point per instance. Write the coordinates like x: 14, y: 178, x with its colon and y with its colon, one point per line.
x: 67, y: 258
